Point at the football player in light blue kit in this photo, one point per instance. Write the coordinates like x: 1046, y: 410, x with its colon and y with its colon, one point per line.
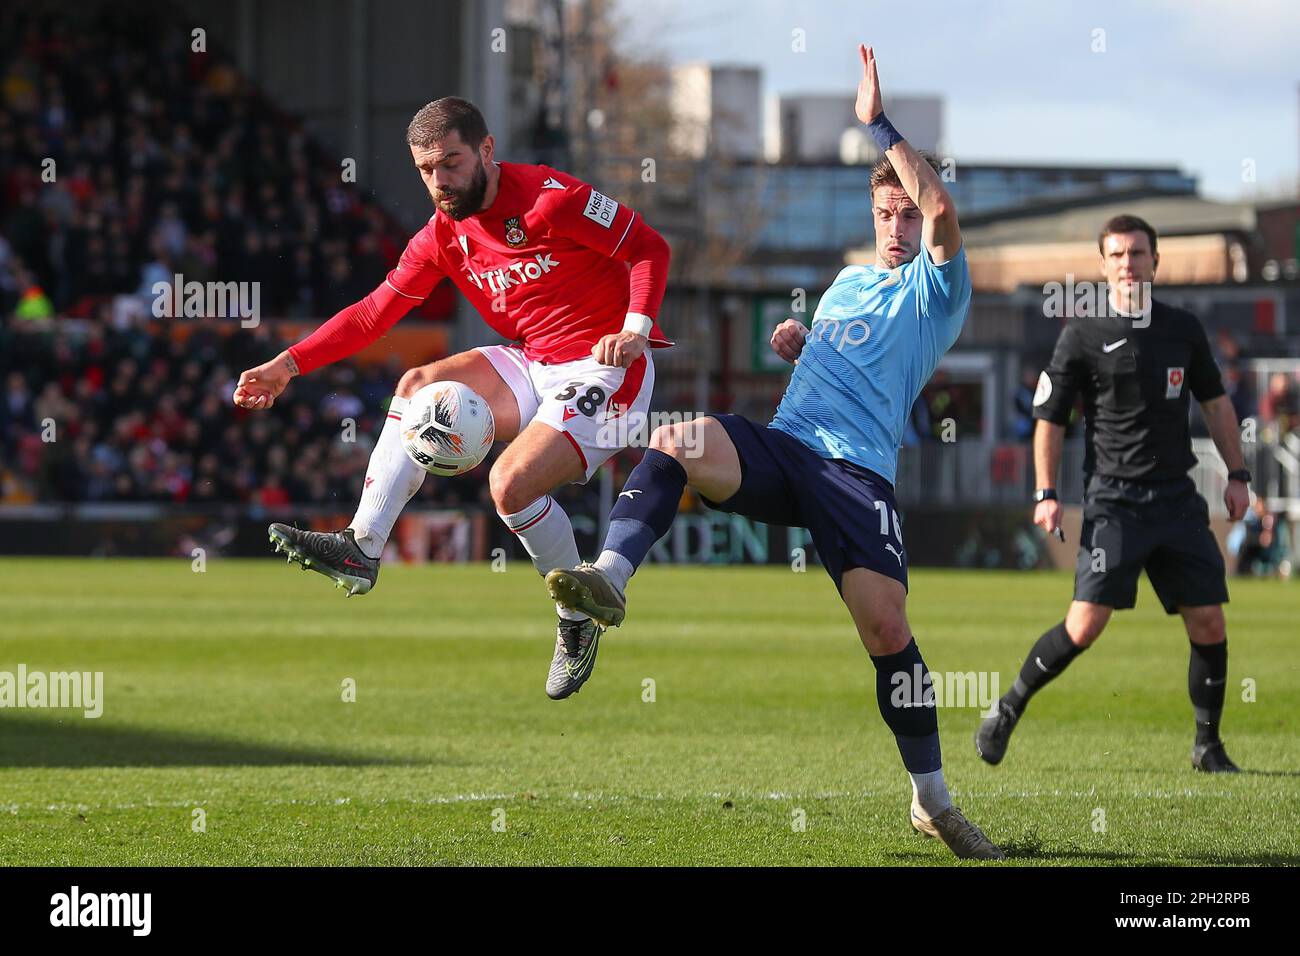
x: 877, y: 336
x: 827, y: 461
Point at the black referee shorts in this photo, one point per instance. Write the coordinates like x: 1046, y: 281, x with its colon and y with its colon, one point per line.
x: 1163, y: 527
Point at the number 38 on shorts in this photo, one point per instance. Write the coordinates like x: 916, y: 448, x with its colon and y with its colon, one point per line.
x: 590, y: 398
x: 585, y: 400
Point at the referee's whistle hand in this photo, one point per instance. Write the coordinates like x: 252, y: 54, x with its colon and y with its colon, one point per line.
x: 1237, y: 499
x: 1047, y: 515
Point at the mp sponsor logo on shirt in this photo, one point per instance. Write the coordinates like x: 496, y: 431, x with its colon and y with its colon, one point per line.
x: 516, y: 273
x: 839, y: 333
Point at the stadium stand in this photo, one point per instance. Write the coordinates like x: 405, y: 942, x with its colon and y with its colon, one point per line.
x: 125, y: 159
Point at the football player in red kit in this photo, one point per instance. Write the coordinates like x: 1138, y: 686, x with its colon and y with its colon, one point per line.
x: 572, y: 278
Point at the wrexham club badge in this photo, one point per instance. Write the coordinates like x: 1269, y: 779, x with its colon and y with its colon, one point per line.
x: 514, y: 233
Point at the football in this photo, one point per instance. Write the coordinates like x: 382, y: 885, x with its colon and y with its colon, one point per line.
x: 447, y: 428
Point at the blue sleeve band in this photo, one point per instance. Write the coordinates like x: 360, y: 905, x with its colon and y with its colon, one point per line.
x: 883, y: 132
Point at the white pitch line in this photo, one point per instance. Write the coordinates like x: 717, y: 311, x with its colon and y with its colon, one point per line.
x: 447, y: 799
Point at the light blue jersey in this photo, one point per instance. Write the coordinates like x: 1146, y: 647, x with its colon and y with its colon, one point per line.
x: 876, y: 338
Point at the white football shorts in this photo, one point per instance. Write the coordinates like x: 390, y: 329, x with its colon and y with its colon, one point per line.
x: 595, y: 406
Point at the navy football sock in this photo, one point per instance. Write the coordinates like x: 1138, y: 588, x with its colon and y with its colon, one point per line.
x: 902, y: 690
x: 645, y: 508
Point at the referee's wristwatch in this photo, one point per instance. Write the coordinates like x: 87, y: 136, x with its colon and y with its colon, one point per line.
x: 1241, y: 474
x: 1045, y: 494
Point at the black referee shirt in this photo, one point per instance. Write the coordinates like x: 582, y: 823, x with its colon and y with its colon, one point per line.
x: 1137, y: 384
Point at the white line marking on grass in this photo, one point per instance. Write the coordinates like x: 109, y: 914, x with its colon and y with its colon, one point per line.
x: 447, y: 799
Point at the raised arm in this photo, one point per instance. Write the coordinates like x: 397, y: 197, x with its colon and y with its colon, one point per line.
x: 940, y: 231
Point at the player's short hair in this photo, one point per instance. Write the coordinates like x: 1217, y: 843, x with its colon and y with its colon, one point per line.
x: 884, y: 174
x: 441, y: 118
x: 1117, y: 224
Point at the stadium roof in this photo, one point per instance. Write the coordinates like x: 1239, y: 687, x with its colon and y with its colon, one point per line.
x: 1076, y: 220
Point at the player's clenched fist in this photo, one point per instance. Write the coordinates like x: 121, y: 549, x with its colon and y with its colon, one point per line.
x: 621, y: 349
x: 258, y: 387
x: 787, y: 339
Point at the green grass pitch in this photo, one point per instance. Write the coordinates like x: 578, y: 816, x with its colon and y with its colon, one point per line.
x: 223, y: 692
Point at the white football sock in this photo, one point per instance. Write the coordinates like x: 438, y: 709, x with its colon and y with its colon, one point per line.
x: 547, y: 536
x: 392, y: 479
x: 617, y: 568
x: 930, y: 792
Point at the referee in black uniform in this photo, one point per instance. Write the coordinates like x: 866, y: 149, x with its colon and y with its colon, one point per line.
x: 1137, y: 366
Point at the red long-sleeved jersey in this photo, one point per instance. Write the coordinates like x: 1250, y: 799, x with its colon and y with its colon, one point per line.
x: 546, y: 265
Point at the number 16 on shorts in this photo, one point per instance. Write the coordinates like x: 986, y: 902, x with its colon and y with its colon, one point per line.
x: 883, y: 508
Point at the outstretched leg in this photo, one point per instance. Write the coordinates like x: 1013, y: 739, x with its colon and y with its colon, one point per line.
x: 351, y: 556
x: 392, y: 478
x: 703, y: 455
x: 698, y: 453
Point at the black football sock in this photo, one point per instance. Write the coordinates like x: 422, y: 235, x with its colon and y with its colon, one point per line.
x: 1207, y: 680
x: 1048, y: 657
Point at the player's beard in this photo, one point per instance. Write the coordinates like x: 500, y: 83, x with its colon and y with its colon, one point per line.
x: 462, y: 203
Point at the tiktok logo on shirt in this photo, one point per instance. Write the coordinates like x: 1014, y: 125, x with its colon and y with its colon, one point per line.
x: 517, y: 273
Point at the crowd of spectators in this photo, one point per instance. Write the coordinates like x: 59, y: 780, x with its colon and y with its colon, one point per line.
x: 1270, y: 399
x: 92, y: 413
x: 127, y: 157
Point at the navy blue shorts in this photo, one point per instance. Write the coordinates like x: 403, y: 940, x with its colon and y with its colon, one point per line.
x: 848, y: 509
